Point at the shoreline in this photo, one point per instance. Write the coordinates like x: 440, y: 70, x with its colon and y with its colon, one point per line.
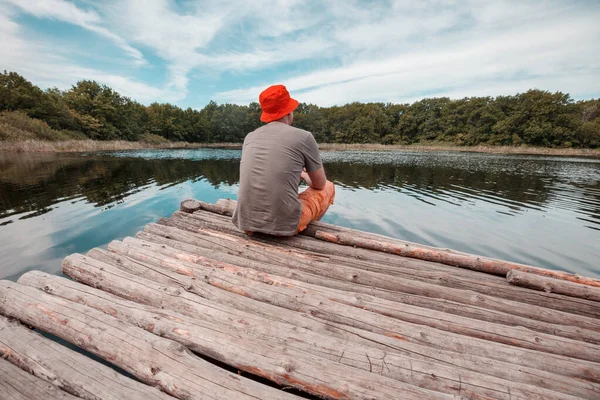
x: 79, y: 146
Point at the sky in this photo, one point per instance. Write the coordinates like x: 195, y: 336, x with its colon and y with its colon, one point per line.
x: 329, y: 52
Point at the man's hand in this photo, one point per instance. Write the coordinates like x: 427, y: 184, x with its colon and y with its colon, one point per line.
x: 304, y: 176
x: 315, y: 179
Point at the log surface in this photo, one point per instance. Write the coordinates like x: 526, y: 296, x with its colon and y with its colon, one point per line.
x: 302, y: 267
x: 68, y: 370
x: 271, y: 357
x: 16, y: 384
x: 363, y: 349
x: 552, y: 285
x: 153, y: 360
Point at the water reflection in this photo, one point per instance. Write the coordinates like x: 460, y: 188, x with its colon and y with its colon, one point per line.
x: 539, y: 210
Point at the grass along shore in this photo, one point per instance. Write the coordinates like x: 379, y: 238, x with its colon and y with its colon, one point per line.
x: 73, y: 146
x: 78, y: 146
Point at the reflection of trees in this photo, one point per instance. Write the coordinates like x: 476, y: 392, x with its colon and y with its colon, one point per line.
x: 31, y: 184
x: 35, y: 183
x: 512, y: 186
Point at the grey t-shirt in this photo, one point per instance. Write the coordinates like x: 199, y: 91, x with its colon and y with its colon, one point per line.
x: 272, y: 160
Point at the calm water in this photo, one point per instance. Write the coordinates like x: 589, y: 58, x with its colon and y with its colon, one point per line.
x: 543, y: 211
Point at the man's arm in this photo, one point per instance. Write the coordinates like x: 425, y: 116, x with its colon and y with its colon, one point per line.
x: 313, y: 164
x: 316, y: 179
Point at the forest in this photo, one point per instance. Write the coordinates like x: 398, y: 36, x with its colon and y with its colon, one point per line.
x: 90, y: 110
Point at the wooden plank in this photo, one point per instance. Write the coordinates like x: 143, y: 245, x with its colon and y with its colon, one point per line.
x: 347, y: 345
x: 247, y: 253
x: 410, y: 313
x: 553, y: 285
x: 68, y: 370
x: 203, y: 219
x: 153, y: 360
x: 16, y: 384
x: 274, y: 358
x: 286, y: 296
x: 376, y: 242
x: 477, y: 263
x: 399, y: 284
x: 279, y: 288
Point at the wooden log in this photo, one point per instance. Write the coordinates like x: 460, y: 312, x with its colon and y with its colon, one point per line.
x: 67, y: 369
x: 190, y: 205
x: 304, y: 293
x: 202, y: 220
x: 399, y: 266
x: 16, y: 384
x: 313, y: 269
x: 336, y: 234
x: 477, y: 263
x: 271, y: 358
x: 215, y: 208
x: 227, y: 203
x: 285, y: 296
x: 346, y: 345
x: 398, y: 284
x: 552, y: 285
x: 181, y: 240
x: 153, y: 360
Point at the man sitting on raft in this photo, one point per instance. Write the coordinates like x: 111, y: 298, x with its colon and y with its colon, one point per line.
x: 275, y: 157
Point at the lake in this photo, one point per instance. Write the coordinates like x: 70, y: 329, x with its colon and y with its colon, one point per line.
x: 538, y: 210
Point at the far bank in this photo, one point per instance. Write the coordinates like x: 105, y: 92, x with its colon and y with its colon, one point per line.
x: 77, y: 146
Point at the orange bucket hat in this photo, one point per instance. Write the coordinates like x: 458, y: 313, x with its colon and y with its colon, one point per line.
x: 275, y: 102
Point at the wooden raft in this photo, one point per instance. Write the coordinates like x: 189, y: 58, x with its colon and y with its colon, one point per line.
x: 192, y: 308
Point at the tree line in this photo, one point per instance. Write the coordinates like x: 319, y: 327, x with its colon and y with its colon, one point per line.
x: 95, y: 111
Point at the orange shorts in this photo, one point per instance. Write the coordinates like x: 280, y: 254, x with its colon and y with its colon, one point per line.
x: 315, y: 203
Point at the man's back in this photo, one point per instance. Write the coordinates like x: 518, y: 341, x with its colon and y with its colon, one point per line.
x: 272, y: 160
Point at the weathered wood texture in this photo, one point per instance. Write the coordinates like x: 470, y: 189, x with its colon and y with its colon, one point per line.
x: 271, y: 357
x: 515, y: 336
x: 384, y: 355
x: 320, y: 307
x: 190, y: 205
x: 552, y: 285
x: 304, y: 267
x: 68, y: 370
x: 156, y: 361
x: 477, y: 263
x: 488, y: 299
x: 16, y: 384
x: 351, y: 237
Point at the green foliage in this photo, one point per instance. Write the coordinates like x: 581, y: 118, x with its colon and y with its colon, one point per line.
x: 152, y: 139
x: 92, y: 110
x: 17, y: 126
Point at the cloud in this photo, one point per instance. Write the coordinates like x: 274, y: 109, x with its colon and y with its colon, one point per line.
x: 326, y: 52
x: 487, y: 53
x: 249, y: 36
x: 68, y: 12
x: 47, y: 69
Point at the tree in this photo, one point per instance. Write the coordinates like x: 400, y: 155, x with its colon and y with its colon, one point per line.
x: 536, y: 117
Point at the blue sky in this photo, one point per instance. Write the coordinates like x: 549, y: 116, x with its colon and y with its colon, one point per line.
x: 325, y: 52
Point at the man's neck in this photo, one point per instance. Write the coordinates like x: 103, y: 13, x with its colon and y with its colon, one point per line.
x: 285, y: 120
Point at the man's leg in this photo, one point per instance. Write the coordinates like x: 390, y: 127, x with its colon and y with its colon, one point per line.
x: 315, y: 203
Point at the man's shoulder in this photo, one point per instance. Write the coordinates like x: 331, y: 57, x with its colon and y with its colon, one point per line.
x: 279, y: 128
x: 299, y: 135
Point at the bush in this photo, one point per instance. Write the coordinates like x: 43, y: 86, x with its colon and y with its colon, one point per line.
x: 17, y: 126
x: 152, y: 139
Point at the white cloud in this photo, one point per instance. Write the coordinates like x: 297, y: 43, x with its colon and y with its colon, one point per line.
x: 491, y: 55
x: 47, y: 69
x: 68, y: 12
x: 326, y: 52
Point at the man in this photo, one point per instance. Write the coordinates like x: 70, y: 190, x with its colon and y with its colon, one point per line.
x: 275, y: 157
